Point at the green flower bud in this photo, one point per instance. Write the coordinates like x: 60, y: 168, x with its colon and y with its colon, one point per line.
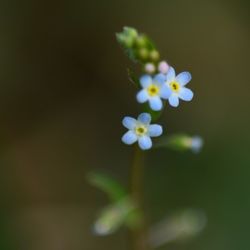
x: 154, y: 55
x: 141, y: 41
x: 182, y: 142
x: 128, y: 42
x: 130, y: 32
x: 143, y: 53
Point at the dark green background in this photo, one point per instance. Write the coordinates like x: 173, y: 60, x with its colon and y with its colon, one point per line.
x: 64, y: 91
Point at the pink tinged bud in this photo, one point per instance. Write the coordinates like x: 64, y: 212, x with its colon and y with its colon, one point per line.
x: 149, y: 68
x: 163, y: 67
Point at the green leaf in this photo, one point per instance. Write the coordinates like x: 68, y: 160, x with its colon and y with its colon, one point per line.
x: 116, y: 215
x: 181, y: 225
x: 111, y: 187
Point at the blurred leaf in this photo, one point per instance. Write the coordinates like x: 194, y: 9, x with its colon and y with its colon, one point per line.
x: 111, y: 187
x: 114, y: 216
x: 180, y: 226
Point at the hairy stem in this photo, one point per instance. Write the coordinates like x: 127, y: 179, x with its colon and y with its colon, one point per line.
x: 139, y: 234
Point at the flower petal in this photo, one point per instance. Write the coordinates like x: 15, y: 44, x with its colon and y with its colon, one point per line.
x: 144, y: 118
x: 155, y: 130
x: 159, y: 78
x: 173, y: 100
x: 155, y: 103
x: 129, y: 122
x: 142, y: 96
x: 171, y: 74
x: 129, y: 138
x: 186, y: 94
x: 145, y: 81
x: 165, y: 92
x: 145, y: 142
x: 184, y: 78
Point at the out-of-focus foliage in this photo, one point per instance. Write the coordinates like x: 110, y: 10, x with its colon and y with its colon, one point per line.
x: 122, y: 209
x: 115, y: 215
x: 108, y: 185
x: 181, y: 225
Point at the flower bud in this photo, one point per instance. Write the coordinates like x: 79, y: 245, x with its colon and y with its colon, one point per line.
x: 163, y: 67
x: 143, y: 53
x: 182, y: 142
x: 149, y: 68
x: 128, y: 41
x: 141, y: 41
x: 131, y: 32
x: 154, y: 55
x: 196, y: 144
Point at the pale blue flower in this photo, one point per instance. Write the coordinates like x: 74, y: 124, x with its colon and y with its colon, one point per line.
x: 140, y: 130
x: 177, y: 86
x: 153, y: 90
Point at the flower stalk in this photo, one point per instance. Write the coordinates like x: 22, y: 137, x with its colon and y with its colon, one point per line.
x: 140, y: 239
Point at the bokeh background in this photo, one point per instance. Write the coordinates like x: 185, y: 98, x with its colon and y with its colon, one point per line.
x: 64, y: 91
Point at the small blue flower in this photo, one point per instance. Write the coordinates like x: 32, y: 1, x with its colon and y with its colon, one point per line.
x: 153, y: 89
x: 177, y: 86
x: 140, y: 130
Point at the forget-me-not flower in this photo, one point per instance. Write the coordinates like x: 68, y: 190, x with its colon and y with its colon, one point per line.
x: 153, y: 89
x: 177, y: 86
x: 140, y: 130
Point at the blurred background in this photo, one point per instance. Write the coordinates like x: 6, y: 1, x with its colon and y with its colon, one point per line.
x: 64, y: 90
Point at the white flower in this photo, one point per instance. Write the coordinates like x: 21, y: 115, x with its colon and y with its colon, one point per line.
x: 140, y: 130
x: 153, y: 89
x: 177, y: 86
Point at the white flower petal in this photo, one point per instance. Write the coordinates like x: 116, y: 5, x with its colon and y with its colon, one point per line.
x: 129, y: 138
x: 145, y: 142
x: 171, y: 74
x: 129, y: 122
x: 159, y: 79
x: 155, y: 103
x: 165, y: 92
x: 142, y: 96
x: 144, y: 118
x: 173, y: 100
x: 155, y: 130
x: 183, y: 78
x: 186, y: 94
x: 145, y: 81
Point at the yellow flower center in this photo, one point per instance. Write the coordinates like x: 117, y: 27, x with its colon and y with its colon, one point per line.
x: 153, y: 90
x: 141, y: 130
x: 175, y: 86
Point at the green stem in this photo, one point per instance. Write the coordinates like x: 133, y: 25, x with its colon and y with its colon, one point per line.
x: 139, y: 234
